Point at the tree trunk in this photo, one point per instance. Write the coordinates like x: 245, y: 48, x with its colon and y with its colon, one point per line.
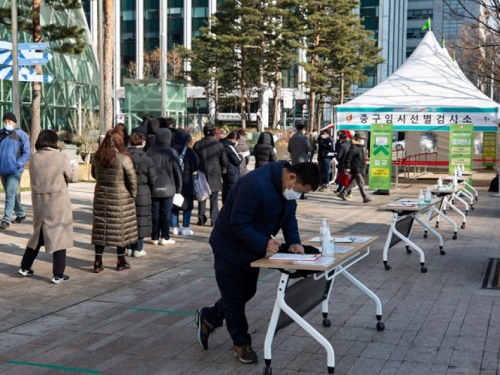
x: 109, y: 31
x: 276, y: 90
x: 243, y: 84
x: 260, y: 113
x: 36, y: 86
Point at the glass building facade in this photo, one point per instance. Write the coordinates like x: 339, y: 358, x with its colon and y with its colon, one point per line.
x: 76, y: 77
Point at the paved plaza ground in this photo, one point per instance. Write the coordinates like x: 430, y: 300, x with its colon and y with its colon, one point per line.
x: 141, y: 321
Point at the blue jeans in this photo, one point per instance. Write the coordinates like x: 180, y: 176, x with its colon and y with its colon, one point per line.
x: 324, y: 166
x: 161, y: 211
x: 186, y: 218
x: 11, y: 184
x: 138, y: 245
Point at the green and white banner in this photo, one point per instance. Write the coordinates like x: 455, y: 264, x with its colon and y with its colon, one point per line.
x: 489, y: 148
x: 380, y: 156
x: 461, y: 146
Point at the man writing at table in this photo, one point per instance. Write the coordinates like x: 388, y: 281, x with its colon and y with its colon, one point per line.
x: 257, y: 207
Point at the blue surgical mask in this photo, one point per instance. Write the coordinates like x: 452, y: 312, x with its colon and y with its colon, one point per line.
x: 291, y: 194
x: 8, y: 127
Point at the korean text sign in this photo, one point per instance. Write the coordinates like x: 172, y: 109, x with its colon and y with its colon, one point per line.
x: 381, y: 156
x: 461, y: 146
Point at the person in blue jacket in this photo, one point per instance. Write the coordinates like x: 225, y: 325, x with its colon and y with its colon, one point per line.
x: 260, y: 204
x: 14, y: 154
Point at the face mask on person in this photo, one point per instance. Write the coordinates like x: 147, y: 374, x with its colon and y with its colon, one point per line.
x: 362, y: 142
x: 8, y: 127
x: 291, y: 194
x: 324, y: 136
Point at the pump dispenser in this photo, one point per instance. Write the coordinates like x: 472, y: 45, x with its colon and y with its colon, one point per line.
x: 428, y: 195
x: 440, y: 182
x: 327, y: 248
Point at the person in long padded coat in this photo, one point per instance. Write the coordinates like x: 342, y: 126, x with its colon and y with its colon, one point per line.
x: 189, y: 164
x: 146, y: 179
x: 168, y: 183
x: 50, y: 172
x: 232, y: 174
x: 213, y: 161
x: 115, y: 221
x: 264, y: 150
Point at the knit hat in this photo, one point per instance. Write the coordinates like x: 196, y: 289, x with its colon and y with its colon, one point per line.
x: 342, y: 136
x: 9, y: 116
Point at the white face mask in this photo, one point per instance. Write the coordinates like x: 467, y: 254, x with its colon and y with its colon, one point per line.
x: 8, y: 127
x: 291, y: 194
x: 324, y: 136
x: 362, y: 142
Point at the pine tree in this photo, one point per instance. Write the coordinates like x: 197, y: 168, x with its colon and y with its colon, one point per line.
x: 337, y: 46
x: 70, y: 40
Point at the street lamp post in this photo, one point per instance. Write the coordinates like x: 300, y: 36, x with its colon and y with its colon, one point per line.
x: 15, y: 68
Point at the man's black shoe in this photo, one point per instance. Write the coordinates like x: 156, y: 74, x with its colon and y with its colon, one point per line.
x: 20, y: 219
x: 4, y: 225
x: 203, y: 329
x: 202, y: 222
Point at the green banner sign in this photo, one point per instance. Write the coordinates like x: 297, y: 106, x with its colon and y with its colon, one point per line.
x: 461, y: 146
x: 489, y: 148
x: 381, y: 156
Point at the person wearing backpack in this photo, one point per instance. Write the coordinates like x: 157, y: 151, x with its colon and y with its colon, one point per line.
x: 190, y: 163
x: 14, y: 154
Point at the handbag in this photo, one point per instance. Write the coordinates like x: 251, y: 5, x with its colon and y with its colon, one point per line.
x: 201, y: 188
x: 343, y: 178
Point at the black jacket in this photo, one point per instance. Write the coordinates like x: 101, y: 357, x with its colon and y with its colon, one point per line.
x: 213, y: 160
x: 325, y: 146
x: 152, y: 127
x: 264, y: 150
x: 146, y: 179
x: 166, y: 161
x: 342, y: 152
x: 191, y: 165
x: 232, y: 173
x: 142, y: 129
x: 243, y: 147
x: 355, y: 160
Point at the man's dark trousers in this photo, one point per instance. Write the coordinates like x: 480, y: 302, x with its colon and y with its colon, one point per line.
x: 237, y: 286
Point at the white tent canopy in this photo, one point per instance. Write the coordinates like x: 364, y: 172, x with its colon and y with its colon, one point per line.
x: 427, y: 93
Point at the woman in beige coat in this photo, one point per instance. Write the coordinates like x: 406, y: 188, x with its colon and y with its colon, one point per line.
x: 115, y: 222
x: 50, y: 172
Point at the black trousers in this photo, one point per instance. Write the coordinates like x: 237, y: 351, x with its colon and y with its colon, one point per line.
x: 58, y: 258
x: 237, y: 286
x: 120, y: 251
x: 214, y: 207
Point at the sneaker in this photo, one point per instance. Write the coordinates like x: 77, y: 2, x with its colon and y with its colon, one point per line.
x: 139, y: 253
x: 203, y: 328
x: 122, y: 266
x: 176, y: 231
x: 348, y: 196
x: 187, y: 232
x: 245, y: 354
x: 20, y: 219
x: 28, y: 272
x: 98, y: 268
x: 129, y: 252
x: 165, y: 242
x: 4, y: 225
x: 59, y: 280
x: 367, y: 199
x: 336, y: 192
x: 154, y: 242
x: 342, y: 196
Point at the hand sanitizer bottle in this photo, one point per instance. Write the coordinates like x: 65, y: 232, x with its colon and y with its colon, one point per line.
x: 440, y: 182
x: 421, y: 201
x: 323, y: 236
x: 459, y: 171
x: 428, y: 195
x: 455, y: 180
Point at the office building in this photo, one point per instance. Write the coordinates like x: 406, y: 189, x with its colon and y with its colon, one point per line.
x: 446, y: 20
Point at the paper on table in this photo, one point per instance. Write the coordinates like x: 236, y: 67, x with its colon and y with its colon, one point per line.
x: 321, y: 261
x: 302, y: 257
x: 402, y: 204
x: 343, y: 239
x: 361, y: 239
x: 343, y: 249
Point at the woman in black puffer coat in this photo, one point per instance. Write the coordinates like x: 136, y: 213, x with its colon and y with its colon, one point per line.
x: 264, y: 150
x: 146, y: 179
x: 189, y: 164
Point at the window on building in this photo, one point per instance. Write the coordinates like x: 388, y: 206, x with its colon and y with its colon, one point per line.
x: 128, y: 15
x: 417, y: 14
x: 414, y: 33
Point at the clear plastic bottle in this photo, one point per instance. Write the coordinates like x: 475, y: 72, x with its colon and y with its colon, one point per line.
x: 421, y: 199
x: 428, y: 195
x: 327, y: 247
x: 440, y: 182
